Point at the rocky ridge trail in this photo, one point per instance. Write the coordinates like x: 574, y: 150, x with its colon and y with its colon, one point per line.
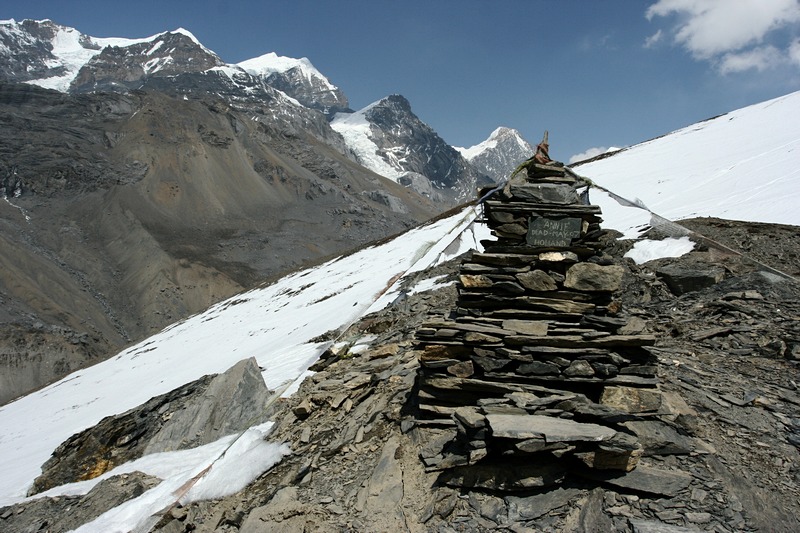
x: 727, y: 363
x: 729, y: 439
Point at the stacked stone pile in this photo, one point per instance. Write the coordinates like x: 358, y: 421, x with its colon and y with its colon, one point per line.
x: 537, y: 360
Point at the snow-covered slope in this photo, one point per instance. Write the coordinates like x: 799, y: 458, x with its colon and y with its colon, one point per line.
x: 744, y: 165
x: 275, y: 324
x: 355, y: 128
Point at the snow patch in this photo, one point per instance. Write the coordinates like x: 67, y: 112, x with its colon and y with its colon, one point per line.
x: 649, y: 250
x: 356, y: 130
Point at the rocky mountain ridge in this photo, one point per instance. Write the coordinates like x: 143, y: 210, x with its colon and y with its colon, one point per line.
x: 389, y: 138
x: 108, y: 180
x: 110, y: 207
x: 725, y: 442
x: 59, y: 57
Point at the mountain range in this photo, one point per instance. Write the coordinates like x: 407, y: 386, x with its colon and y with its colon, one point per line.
x: 147, y: 179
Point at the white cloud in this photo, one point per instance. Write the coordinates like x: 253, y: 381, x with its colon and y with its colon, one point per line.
x: 590, y: 153
x: 653, y: 39
x: 794, y: 52
x: 735, y: 35
x: 760, y: 59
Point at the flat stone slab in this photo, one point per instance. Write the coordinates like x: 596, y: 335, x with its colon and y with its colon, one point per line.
x: 532, y: 507
x: 646, y: 479
x: 651, y: 526
x: 521, y: 427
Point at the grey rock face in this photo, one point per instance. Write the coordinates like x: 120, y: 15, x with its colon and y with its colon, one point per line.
x: 396, y: 127
x: 61, y: 514
x: 233, y: 401
x: 195, y: 414
x: 310, y: 91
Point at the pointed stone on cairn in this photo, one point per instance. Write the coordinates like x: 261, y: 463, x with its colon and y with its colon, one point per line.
x: 534, y: 363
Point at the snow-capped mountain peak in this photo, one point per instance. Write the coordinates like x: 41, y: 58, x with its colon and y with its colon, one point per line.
x: 272, y: 63
x: 299, y: 79
x: 500, y: 153
x: 50, y: 55
x: 388, y: 138
x: 490, y: 143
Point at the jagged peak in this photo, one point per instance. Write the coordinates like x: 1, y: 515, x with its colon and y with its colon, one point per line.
x: 502, y: 131
x: 499, y: 134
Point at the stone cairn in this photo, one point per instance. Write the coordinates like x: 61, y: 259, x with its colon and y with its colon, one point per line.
x: 530, y: 377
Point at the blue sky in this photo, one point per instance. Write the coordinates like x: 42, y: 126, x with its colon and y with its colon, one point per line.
x: 594, y: 73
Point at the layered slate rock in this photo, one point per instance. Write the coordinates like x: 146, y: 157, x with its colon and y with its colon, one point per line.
x: 538, y: 365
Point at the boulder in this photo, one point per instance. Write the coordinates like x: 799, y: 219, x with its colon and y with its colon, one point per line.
x: 537, y: 280
x: 594, y: 278
x: 631, y: 399
x: 682, y: 278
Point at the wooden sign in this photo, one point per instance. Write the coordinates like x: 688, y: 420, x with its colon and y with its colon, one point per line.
x: 553, y: 232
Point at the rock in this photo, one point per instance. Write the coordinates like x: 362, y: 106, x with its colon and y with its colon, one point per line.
x: 651, y: 526
x: 631, y: 399
x: 233, y: 401
x: 475, y: 281
x: 384, y: 489
x: 509, y: 287
x: 282, y: 513
x: 538, y: 368
x: 521, y: 427
x: 547, y: 193
x: 622, y: 452
x: 504, y: 477
x: 698, y: 518
x: 489, y: 507
x: 633, y: 326
x: 470, y: 417
x: 462, y: 369
x: 647, y: 479
x: 558, y: 257
x: 526, y: 327
x: 490, y: 364
x: 592, y: 519
x: 658, y: 438
x: 195, y: 414
x: 523, y: 509
x: 537, y: 280
x: 480, y: 338
x: 682, y: 279
x: 66, y: 513
x: 594, y: 278
x: 304, y: 409
x: 579, y: 368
